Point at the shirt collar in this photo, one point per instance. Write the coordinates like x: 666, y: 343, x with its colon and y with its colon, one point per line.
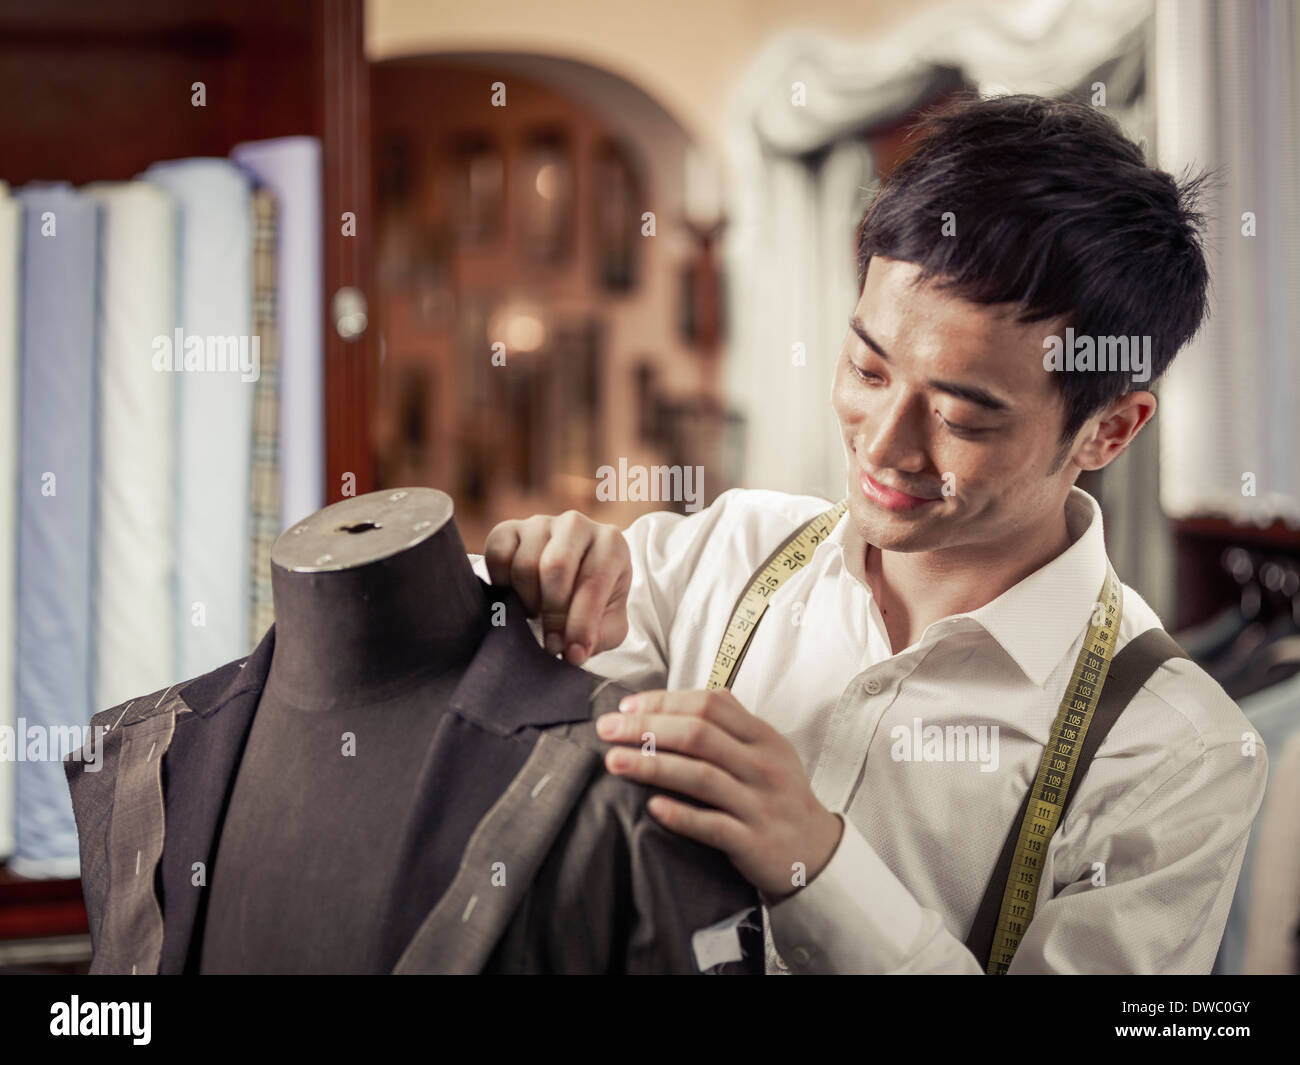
x: 1037, y: 620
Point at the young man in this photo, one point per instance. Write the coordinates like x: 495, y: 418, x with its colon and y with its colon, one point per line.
x: 956, y: 591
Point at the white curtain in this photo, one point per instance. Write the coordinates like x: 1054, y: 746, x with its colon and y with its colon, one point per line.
x: 796, y: 295
x: 801, y: 184
x: 1227, y: 97
x: 802, y: 181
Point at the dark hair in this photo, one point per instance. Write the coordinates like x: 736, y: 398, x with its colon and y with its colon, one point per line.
x: 1057, y: 211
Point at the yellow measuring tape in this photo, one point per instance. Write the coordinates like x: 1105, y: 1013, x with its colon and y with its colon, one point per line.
x: 781, y: 564
x: 1055, y: 774
x: 1056, y: 768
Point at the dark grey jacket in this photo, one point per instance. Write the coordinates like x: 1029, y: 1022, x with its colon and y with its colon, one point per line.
x: 595, y: 883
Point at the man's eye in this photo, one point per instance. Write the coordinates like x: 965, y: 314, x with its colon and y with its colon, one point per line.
x: 863, y: 375
x: 960, y: 430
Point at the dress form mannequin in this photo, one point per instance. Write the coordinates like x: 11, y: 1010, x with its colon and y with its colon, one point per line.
x: 377, y: 614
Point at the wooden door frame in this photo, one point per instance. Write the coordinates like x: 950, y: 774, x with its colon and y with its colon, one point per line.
x: 351, y: 366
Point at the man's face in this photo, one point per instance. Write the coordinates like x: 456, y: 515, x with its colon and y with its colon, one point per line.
x: 952, y: 426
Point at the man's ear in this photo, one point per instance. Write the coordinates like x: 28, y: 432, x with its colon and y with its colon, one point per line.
x: 1114, y: 430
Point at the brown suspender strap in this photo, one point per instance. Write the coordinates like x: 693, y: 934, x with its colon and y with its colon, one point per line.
x: 1130, y: 669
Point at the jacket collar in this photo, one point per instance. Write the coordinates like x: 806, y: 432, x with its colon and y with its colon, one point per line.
x: 507, y: 661
x: 510, y: 660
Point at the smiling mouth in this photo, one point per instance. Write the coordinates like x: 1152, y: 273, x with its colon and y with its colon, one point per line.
x: 890, y: 498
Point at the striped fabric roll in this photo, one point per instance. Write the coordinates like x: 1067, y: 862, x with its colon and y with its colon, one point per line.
x: 291, y: 168
x: 264, y: 471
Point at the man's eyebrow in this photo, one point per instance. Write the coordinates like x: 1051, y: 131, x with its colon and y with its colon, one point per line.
x: 971, y: 393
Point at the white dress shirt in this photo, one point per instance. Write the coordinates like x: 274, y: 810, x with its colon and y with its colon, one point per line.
x: 1139, y: 875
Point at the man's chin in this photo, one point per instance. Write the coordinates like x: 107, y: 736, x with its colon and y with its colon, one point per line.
x: 904, y: 541
x: 903, y: 531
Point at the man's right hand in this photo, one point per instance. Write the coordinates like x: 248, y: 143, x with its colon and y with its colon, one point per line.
x: 573, y: 572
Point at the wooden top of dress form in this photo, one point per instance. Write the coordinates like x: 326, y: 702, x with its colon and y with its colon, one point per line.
x: 361, y: 530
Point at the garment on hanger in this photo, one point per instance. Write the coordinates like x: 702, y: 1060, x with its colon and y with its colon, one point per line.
x: 1276, y: 659
x: 1210, y: 639
x: 1273, y: 920
x: 1255, y: 644
x: 594, y: 884
x: 1275, y: 715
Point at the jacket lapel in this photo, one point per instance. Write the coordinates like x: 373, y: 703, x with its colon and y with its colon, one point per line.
x: 501, y: 860
x: 130, y: 935
x: 466, y: 863
x: 199, y: 770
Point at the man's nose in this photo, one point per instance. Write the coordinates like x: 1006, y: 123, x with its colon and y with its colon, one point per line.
x: 892, y: 435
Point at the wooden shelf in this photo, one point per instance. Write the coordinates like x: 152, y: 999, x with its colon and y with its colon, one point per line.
x: 1278, y: 534
x: 34, y: 908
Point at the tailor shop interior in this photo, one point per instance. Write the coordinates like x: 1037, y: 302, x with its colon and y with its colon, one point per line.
x: 291, y: 260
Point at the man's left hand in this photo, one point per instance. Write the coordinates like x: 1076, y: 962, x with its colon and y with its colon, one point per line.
x: 708, y: 746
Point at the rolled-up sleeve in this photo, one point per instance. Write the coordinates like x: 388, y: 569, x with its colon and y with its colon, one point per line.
x: 1170, y: 858
x: 856, y: 916
x: 1170, y: 868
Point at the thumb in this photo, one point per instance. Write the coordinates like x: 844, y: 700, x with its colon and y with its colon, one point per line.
x: 553, y: 632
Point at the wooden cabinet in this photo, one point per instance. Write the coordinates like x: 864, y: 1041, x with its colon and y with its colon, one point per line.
x: 95, y: 91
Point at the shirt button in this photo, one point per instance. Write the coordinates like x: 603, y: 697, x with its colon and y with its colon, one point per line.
x: 872, y: 686
x: 800, y: 956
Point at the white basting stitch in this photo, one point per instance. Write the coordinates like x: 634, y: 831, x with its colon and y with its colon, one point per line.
x: 164, y: 696
x: 599, y: 688
x: 120, y: 716
x: 151, y: 747
x: 541, y: 784
x: 473, y: 901
x: 137, y: 863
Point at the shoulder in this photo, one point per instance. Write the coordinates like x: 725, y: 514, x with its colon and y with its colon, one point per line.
x: 750, y: 506
x: 137, y: 708
x: 1180, y: 704
x: 740, y: 522
x: 195, y: 691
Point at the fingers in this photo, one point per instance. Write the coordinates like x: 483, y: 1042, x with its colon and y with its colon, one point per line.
x: 571, y: 534
x: 686, y: 734
x: 530, y: 538
x: 499, y: 551
x: 716, y: 706
x: 570, y: 571
x: 710, y: 827
x: 597, y: 612
x: 686, y: 776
